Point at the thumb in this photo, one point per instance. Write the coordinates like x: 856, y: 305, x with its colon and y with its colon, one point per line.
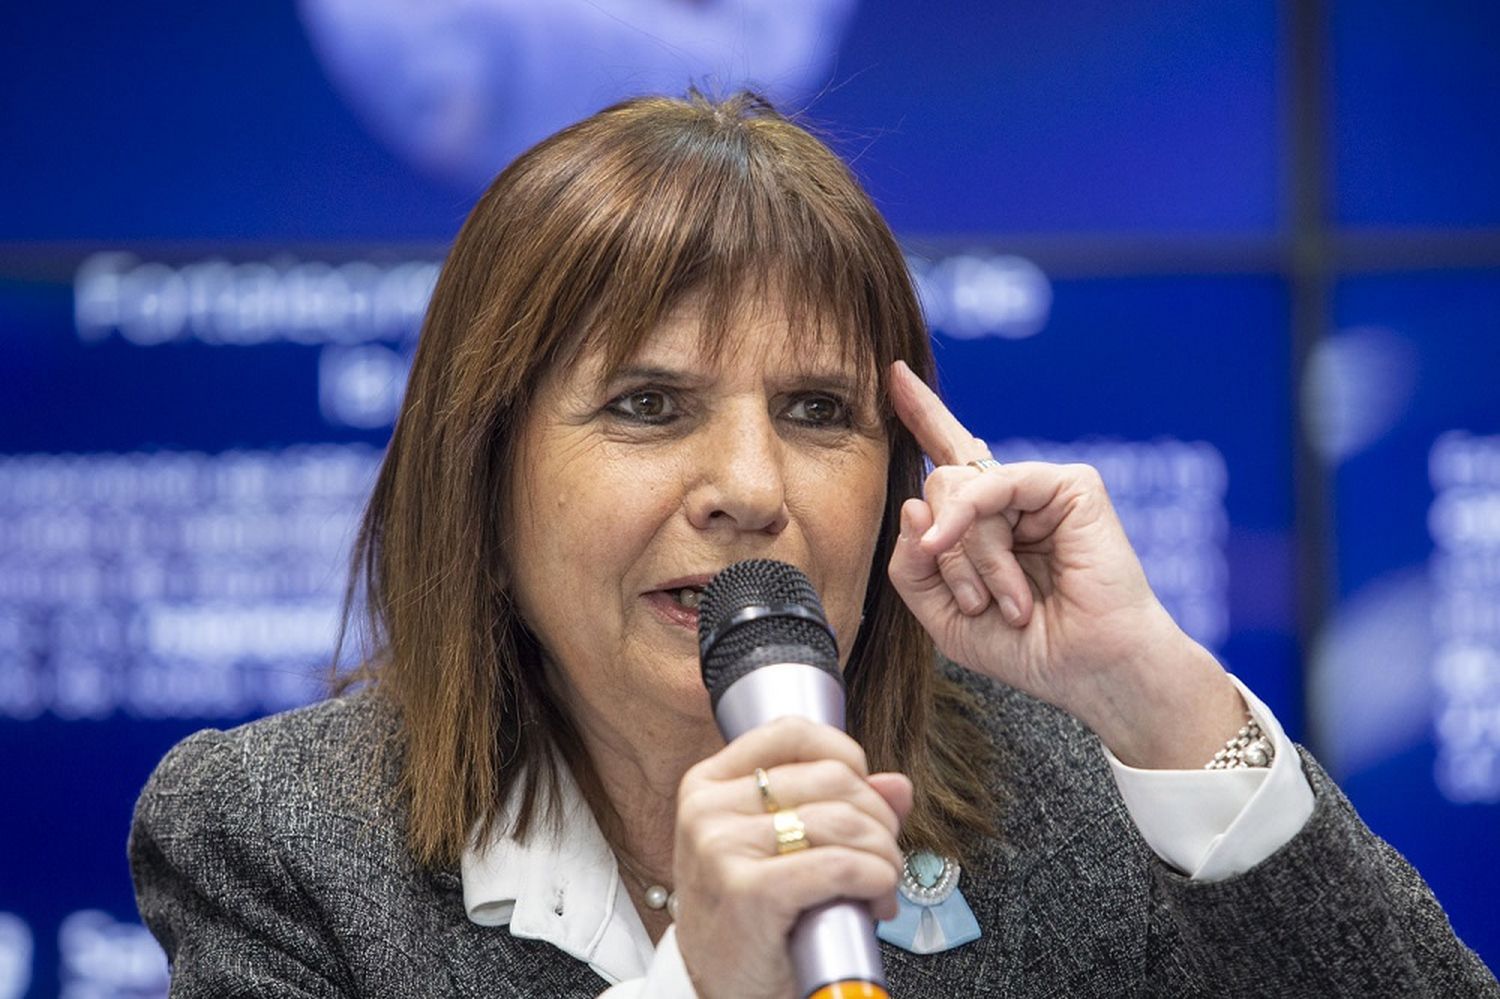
x: 914, y: 572
x: 896, y: 790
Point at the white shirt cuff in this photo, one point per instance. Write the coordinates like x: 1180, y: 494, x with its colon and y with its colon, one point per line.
x: 666, y: 977
x: 1214, y: 824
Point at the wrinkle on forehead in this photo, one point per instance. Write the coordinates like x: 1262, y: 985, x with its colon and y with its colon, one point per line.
x: 724, y: 327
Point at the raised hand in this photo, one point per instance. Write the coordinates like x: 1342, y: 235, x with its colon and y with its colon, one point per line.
x: 1023, y: 572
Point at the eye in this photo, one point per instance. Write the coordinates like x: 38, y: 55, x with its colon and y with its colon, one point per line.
x: 645, y: 406
x: 820, y: 411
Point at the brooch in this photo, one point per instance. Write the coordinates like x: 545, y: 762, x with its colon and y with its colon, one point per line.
x: 934, y: 916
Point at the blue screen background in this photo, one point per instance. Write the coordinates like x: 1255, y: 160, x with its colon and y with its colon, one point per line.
x: 1114, y: 183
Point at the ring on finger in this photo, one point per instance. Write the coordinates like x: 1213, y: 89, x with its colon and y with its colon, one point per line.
x: 983, y: 464
x: 791, y: 834
x: 763, y: 784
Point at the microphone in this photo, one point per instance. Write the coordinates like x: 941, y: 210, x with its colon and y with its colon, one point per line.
x: 766, y: 652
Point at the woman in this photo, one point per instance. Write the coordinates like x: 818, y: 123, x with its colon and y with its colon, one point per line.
x: 671, y: 337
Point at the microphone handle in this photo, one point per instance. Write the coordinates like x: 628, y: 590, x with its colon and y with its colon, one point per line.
x: 832, y: 946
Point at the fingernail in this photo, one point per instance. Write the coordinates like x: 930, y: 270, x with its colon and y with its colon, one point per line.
x: 931, y: 533
x: 1009, y: 610
x: 907, y: 534
x: 968, y: 597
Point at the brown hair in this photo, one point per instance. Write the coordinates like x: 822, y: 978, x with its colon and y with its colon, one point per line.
x: 591, y: 237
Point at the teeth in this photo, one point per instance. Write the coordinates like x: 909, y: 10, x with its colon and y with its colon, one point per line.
x: 689, y: 598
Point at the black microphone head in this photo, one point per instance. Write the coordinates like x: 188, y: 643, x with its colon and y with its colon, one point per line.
x: 758, y: 612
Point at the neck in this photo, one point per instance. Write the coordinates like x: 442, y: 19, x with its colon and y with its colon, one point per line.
x: 641, y: 789
x: 641, y: 786
x: 638, y: 770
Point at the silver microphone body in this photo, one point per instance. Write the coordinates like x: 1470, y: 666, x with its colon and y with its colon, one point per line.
x: 835, y: 941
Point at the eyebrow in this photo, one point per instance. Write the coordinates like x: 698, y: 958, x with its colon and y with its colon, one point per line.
x: 646, y: 373
x: 825, y: 380
x: 833, y: 381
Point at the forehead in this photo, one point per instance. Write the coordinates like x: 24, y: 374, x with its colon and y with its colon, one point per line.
x: 756, y: 330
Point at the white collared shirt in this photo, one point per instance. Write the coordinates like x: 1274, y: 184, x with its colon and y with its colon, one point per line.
x: 565, y: 889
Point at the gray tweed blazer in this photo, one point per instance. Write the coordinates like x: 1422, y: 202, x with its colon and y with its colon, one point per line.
x: 268, y: 862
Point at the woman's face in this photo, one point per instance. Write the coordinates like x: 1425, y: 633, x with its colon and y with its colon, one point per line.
x: 635, y: 489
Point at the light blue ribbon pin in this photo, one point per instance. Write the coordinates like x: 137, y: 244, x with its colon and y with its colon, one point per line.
x: 934, y: 916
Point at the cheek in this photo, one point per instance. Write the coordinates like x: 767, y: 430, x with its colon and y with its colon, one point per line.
x: 849, y: 519
x: 865, y: 501
x: 599, y: 513
x: 581, y: 539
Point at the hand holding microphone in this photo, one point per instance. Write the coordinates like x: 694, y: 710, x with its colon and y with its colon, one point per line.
x: 786, y: 846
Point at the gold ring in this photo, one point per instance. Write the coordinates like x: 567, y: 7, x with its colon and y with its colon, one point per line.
x: 983, y: 464
x: 763, y: 784
x: 791, y: 834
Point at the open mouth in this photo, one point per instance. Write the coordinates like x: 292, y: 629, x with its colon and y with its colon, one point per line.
x: 678, y: 603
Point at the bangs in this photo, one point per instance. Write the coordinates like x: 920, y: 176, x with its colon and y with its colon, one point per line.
x: 735, y: 207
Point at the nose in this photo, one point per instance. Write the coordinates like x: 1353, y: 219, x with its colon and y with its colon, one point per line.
x: 740, y: 479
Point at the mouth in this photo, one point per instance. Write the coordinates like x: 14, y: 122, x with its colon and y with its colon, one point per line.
x: 677, y: 601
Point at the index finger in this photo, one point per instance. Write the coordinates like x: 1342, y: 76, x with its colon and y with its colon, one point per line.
x: 936, y: 429
x: 789, y: 739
